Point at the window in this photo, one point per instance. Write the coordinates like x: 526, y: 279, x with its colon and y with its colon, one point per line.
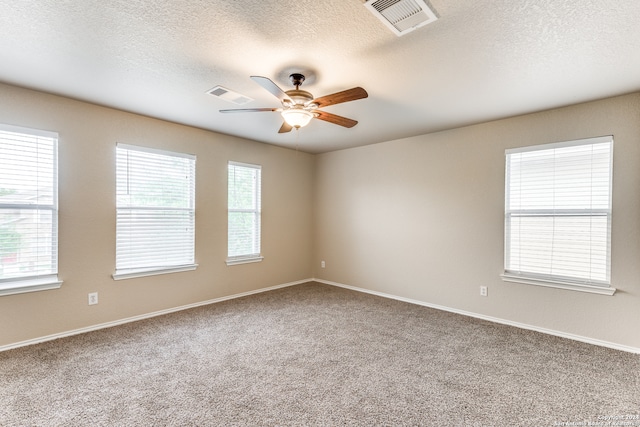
x: 244, y: 213
x: 28, y: 210
x: 155, y: 220
x: 558, y: 214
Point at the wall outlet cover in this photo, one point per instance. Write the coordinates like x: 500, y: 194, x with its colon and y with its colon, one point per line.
x: 93, y: 298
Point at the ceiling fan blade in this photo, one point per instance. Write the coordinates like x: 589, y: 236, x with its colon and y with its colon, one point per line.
x: 250, y: 110
x: 336, y: 120
x: 286, y: 127
x: 272, y: 88
x: 339, y: 97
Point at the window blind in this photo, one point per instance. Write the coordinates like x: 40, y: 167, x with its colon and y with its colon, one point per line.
x: 244, y: 209
x: 28, y: 204
x: 155, y: 226
x: 558, y: 211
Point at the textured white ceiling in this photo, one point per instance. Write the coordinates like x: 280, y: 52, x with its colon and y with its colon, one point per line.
x: 482, y: 60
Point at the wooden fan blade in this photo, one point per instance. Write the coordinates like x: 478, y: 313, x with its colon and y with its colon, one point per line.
x: 249, y: 110
x: 336, y: 120
x: 286, y: 127
x: 339, y: 97
x: 272, y: 88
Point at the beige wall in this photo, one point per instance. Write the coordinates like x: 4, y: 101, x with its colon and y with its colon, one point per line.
x: 419, y: 218
x: 423, y: 218
x: 87, y: 139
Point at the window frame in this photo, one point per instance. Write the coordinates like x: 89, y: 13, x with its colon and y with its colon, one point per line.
x: 50, y: 280
x: 550, y: 280
x: 142, y: 271
x: 255, y: 256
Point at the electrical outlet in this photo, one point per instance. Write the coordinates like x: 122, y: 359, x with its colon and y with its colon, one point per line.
x: 322, y: 264
x: 483, y: 291
x: 93, y: 298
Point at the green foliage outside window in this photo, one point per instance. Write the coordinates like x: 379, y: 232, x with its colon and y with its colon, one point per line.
x: 10, y: 240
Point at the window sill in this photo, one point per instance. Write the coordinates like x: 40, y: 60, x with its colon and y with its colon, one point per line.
x: 133, y: 273
x: 244, y: 260
x: 600, y: 290
x: 29, y: 285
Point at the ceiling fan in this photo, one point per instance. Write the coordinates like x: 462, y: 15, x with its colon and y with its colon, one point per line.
x: 299, y: 106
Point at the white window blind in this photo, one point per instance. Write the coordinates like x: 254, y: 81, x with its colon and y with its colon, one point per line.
x: 558, y: 211
x: 155, y: 227
x: 244, y: 208
x: 28, y: 205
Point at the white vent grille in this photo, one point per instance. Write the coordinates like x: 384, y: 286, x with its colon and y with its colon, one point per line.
x: 229, y: 95
x: 402, y: 16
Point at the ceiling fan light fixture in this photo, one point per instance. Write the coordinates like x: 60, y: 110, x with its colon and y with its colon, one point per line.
x: 297, y: 117
x: 299, y: 106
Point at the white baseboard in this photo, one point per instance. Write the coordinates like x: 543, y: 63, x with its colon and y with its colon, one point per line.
x: 326, y: 282
x: 144, y: 316
x: 580, y: 338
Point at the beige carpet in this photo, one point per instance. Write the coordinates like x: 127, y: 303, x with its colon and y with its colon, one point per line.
x: 315, y: 355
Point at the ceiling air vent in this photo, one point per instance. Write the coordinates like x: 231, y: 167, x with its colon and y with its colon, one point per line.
x: 402, y: 16
x: 229, y: 95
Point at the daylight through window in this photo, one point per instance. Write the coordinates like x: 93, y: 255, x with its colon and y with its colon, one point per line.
x: 28, y: 206
x: 155, y: 227
x: 558, y: 212
x: 244, y: 182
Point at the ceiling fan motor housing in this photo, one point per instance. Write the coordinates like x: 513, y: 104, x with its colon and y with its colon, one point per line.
x: 300, y: 97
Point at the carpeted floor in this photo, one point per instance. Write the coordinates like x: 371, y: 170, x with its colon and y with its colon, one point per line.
x: 316, y: 355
